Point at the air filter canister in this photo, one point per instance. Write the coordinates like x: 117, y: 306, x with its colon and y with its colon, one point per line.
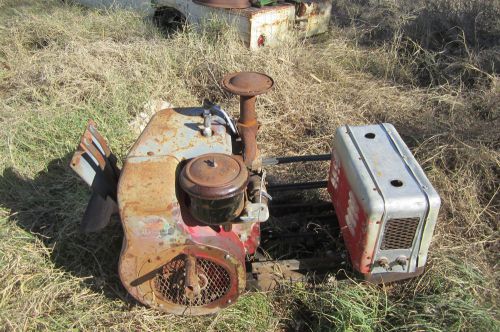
x: 215, y: 184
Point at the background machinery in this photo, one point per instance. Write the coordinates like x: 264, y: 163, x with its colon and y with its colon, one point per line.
x: 257, y: 22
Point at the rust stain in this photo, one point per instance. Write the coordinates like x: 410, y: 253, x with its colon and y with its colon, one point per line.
x: 253, y: 11
x: 157, y: 223
x: 248, y: 85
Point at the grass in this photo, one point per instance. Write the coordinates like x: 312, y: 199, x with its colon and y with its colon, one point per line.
x: 422, y: 66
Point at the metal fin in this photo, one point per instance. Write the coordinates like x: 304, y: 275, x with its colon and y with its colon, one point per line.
x: 94, y: 162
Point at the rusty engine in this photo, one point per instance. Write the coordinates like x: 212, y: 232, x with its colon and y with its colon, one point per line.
x: 192, y: 196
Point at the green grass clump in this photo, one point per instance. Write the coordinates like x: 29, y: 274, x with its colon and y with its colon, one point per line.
x: 446, y: 299
x: 340, y: 306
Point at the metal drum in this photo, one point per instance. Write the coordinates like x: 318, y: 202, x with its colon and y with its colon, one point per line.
x: 215, y: 184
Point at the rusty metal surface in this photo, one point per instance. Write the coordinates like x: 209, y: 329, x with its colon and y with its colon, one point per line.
x: 214, y: 176
x: 157, y: 223
x: 248, y: 135
x: 177, y: 133
x: 228, y: 4
x: 192, y: 281
x: 215, y: 184
x: 399, y: 233
x: 191, y: 210
x: 248, y: 85
x: 172, y: 262
x: 98, y: 213
x: 306, y: 264
x: 159, y: 280
x: 268, y: 275
x: 300, y: 242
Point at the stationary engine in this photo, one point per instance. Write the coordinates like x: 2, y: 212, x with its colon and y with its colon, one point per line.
x: 192, y: 196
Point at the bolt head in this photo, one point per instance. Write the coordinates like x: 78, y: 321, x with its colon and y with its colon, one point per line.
x: 383, y: 262
x: 402, y: 260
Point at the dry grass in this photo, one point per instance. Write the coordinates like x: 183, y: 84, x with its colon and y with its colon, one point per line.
x: 61, y: 64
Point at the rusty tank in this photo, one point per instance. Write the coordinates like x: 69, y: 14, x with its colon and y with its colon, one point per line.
x: 228, y: 4
x: 195, y: 204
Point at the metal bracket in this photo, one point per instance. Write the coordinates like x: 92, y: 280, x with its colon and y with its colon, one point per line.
x: 255, y: 212
x: 94, y: 162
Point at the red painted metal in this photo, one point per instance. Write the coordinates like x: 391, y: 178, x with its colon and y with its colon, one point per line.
x: 261, y: 41
x: 160, y: 229
x: 229, y: 4
x: 354, y: 233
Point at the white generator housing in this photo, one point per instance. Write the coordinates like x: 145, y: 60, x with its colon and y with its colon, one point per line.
x: 257, y: 27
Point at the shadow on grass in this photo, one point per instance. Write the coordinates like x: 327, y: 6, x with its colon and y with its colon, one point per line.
x: 50, y: 207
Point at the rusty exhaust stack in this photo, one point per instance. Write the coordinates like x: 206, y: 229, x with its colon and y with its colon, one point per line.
x: 248, y: 85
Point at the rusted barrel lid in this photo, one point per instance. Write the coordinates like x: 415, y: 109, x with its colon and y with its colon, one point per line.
x: 234, y: 4
x: 247, y: 83
x: 214, y: 176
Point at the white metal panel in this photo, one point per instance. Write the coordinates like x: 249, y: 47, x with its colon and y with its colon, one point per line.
x: 379, y: 161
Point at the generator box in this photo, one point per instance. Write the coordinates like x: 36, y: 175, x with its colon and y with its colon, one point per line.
x: 386, y: 206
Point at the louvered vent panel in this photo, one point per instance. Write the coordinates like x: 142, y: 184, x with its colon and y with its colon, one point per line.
x: 399, y: 233
x: 335, y: 173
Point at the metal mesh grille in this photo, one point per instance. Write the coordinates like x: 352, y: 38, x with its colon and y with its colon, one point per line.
x: 213, y: 279
x: 399, y: 233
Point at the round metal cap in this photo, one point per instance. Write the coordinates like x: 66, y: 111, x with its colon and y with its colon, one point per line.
x: 214, y: 176
x: 229, y: 4
x: 247, y: 83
